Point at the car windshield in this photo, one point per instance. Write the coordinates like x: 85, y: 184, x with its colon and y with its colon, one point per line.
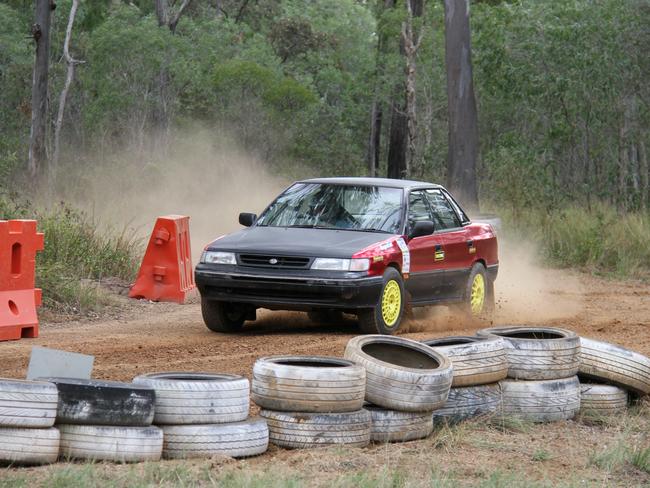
x: 343, y: 207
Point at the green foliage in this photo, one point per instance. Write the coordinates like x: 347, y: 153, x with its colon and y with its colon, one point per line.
x: 77, y: 254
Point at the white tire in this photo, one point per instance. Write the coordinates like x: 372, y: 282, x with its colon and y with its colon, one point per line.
x: 29, y: 404
x: 476, y: 360
x: 237, y: 439
x: 541, y: 401
x: 308, y: 384
x: 110, y: 443
x: 198, y: 398
x: 29, y: 446
x: 538, y: 353
x: 308, y: 430
x: 615, y: 364
x: 395, y: 426
x: 602, y: 400
x: 466, y: 402
x: 401, y: 374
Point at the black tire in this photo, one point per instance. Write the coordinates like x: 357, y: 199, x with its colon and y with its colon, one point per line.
x: 469, y: 401
x: 223, y: 316
x: 325, y: 316
x: 541, y: 401
x: 93, y: 402
x: 397, y: 426
x: 371, y: 321
x: 486, y: 310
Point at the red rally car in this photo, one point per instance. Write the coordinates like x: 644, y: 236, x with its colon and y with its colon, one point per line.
x: 365, y: 246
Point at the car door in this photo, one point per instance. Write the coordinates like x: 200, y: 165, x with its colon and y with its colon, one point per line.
x: 426, y: 254
x: 453, y: 237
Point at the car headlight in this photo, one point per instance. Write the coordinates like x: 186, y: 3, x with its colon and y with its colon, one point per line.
x: 218, y: 257
x: 336, y: 264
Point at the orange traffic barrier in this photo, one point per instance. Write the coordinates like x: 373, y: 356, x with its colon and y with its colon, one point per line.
x: 166, y: 273
x: 19, y: 243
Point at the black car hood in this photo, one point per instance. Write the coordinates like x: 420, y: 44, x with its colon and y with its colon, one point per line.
x: 285, y: 241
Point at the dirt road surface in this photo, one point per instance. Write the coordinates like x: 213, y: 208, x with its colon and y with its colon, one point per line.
x: 150, y: 337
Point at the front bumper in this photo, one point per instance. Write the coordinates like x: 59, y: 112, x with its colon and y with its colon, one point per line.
x: 286, y: 290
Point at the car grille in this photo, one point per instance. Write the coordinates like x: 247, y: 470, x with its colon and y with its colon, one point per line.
x: 269, y: 261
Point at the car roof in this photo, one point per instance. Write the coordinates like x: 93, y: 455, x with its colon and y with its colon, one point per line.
x: 388, y: 182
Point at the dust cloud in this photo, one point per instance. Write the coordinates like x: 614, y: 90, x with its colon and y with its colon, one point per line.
x: 200, y: 175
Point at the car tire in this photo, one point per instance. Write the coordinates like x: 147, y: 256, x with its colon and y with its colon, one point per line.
x: 300, y: 430
x: 598, y: 400
x: 401, y: 374
x: 238, y: 439
x: 541, y: 401
x: 615, y: 364
x: 27, y: 403
x: 538, y: 353
x: 476, y: 360
x: 386, y: 316
x: 467, y: 402
x: 325, y: 316
x: 396, y: 426
x: 222, y: 316
x: 29, y: 446
x: 197, y: 398
x: 95, y: 402
x: 478, y: 296
x: 308, y: 384
x: 111, y: 443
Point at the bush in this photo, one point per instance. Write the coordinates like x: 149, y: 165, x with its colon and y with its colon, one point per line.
x: 78, y: 254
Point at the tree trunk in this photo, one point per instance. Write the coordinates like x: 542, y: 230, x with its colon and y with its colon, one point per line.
x: 38, y: 133
x: 64, y: 93
x: 643, y: 169
x: 374, y: 141
x: 463, y: 119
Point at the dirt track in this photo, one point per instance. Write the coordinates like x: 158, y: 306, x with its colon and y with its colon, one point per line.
x: 155, y: 337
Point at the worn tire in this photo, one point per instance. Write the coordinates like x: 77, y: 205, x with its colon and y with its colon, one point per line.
x: 469, y: 401
x: 306, y: 430
x: 615, y: 364
x: 222, y: 316
x: 541, y: 401
x: 29, y: 446
x: 417, y: 378
x: 27, y: 403
x: 237, y: 439
x: 197, y: 398
x: 372, y: 321
x: 395, y: 426
x: 94, y: 402
x: 308, y: 384
x: 538, y: 353
x: 111, y: 443
x: 602, y: 400
x: 476, y: 360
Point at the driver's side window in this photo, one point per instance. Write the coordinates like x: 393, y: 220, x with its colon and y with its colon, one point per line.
x: 418, y: 208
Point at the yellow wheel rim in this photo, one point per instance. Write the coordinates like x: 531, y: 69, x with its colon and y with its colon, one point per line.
x: 391, y: 302
x: 477, y: 296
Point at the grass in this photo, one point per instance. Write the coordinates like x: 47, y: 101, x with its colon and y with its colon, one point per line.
x: 600, y: 239
x: 78, y: 254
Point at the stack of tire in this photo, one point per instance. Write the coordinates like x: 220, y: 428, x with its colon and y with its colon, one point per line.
x: 608, y: 373
x: 205, y: 414
x: 406, y: 382
x: 479, y: 363
x: 543, y: 364
x: 27, y: 414
x: 106, y: 421
x: 312, y: 401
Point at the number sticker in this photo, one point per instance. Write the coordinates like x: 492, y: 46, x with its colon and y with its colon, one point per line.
x: 406, y: 255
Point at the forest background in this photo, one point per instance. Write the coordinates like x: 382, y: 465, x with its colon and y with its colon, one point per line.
x: 289, y: 89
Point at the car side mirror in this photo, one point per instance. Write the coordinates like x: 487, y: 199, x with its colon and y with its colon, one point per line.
x: 421, y: 228
x: 247, y: 219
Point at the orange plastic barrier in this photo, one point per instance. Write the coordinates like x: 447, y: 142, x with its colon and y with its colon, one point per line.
x: 166, y: 273
x: 19, y: 243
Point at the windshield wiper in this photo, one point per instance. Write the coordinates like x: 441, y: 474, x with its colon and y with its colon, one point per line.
x: 374, y: 230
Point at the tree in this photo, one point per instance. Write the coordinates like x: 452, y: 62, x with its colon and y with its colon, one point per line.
x: 461, y: 105
x: 71, y: 63
x: 166, y: 17
x: 38, y: 134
